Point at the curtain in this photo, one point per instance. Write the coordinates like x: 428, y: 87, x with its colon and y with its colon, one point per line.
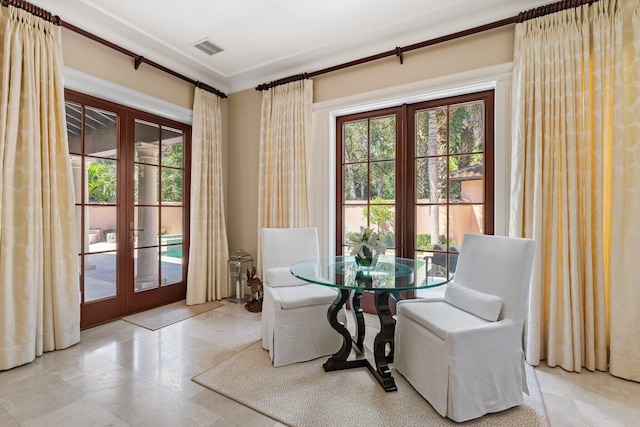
x: 208, y: 247
x: 575, y: 136
x: 39, y: 286
x: 285, y: 131
x: 625, y: 216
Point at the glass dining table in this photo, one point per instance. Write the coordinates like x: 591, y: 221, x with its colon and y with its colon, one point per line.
x: 389, y: 277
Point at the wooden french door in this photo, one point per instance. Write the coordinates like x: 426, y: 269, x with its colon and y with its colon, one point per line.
x: 131, y: 186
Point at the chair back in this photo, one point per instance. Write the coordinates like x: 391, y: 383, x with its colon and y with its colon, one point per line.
x: 498, y: 266
x: 282, y: 247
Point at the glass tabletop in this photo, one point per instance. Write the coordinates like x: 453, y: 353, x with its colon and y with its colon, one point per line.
x: 390, y: 273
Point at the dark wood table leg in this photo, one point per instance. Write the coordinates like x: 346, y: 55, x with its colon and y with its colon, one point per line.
x: 356, y: 309
x: 339, y: 360
x: 384, y: 337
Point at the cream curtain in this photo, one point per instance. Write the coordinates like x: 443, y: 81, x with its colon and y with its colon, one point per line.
x: 285, y: 132
x: 208, y: 248
x: 39, y: 286
x: 574, y: 171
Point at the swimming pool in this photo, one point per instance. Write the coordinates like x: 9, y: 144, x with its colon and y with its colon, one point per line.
x: 171, y: 245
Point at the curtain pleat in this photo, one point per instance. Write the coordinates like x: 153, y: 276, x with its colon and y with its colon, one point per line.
x: 569, y: 134
x: 208, y: 248
x: 285, y: 131
x: 39, y: 284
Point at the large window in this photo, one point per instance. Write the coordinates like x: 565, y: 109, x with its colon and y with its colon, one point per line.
x: 420, y: 174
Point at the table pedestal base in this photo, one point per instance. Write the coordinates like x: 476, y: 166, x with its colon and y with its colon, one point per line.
x: 338, y: 361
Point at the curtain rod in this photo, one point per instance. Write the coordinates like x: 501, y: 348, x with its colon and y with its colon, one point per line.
x: 138, y: 59
x: 399, y: 51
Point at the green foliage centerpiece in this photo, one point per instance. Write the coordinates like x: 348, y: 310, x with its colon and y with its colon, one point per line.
x: 366, y: 246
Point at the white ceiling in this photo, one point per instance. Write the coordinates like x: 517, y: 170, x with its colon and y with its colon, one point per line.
x: 264, y: 40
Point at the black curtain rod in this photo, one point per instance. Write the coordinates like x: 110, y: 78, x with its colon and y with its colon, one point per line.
x: 399, y: 51
x: 138, y: 59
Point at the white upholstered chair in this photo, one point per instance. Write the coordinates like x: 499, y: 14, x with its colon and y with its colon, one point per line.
x: 294, y: 312
x: 463, y: 353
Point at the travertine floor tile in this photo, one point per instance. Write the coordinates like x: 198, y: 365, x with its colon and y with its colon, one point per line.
x: 82, y: 412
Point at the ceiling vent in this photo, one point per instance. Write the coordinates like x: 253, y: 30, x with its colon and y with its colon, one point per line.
x: 208, y: 47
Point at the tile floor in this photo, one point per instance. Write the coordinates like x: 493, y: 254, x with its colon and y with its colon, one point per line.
x: 124, y: 375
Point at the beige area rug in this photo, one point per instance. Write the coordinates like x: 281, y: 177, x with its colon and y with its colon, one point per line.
x: 169, y: 314
x: 303, y: 394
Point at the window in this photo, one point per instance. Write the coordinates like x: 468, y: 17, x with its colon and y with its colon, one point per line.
x: 421, y: 174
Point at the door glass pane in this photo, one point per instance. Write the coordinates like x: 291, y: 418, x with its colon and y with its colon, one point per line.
x: 147, y: 140
x: 101, y: 133
x: 172, y: 147
x: 102, y: 181
x: 431, y: 132
x: 146, y: 184
x: 465, y: 219
x: 383, y: 138
x: 145, y: 227
x: 74, y: 126
x: 146, y: 269
x: 100, y: 234
x: 466, y: 179
x: 431, y: 180
x: 383, y: 181
x: 355, y: 142
x: 171, y: 186
x: 146, y: 253
x: 99, y: 276
x: 383, y: 219
x: 171, y: 247
x: 466, y: 124
x: 354, y: 217
x: 431, y: 226
x: 76, y: 170
x: 355, y: 182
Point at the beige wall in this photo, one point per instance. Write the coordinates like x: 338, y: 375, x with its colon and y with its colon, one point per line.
x: 243, y: 149
x: 474, y: 52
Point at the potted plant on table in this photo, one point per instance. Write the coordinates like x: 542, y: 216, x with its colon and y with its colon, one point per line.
x: 366, y: 246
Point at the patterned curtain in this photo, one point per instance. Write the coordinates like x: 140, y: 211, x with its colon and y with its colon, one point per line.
x: 208, y: 248
x: 575, y: 178
x: 285, y: 130
x: 39, y: 286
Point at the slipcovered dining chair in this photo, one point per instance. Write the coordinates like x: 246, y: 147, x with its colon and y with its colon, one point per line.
x: 463, y: 353
x: 294, y: 312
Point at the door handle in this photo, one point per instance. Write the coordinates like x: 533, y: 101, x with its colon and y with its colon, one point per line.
x: 132, y: 231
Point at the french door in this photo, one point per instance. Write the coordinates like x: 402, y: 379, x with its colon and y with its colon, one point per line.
x: 131, y: 190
